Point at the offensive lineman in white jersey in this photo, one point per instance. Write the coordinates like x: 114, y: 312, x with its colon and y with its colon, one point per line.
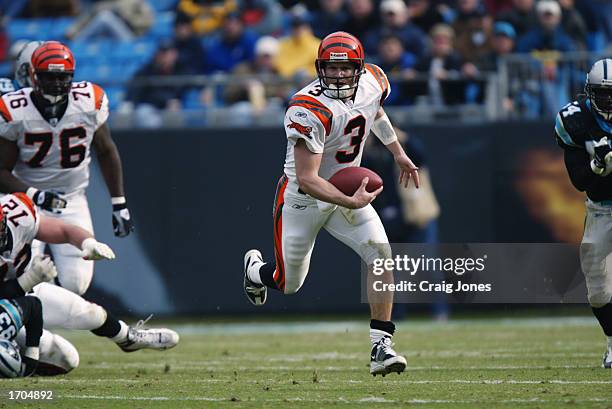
x: 20, y: 273
x: 326, y: 125
x: 46, y: 133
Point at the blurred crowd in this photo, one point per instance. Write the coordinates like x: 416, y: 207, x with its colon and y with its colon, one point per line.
x: 434, y: 50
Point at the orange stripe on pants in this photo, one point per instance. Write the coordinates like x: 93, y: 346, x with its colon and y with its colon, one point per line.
x: 279, y: 273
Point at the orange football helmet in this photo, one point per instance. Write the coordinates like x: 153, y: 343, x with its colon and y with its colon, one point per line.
x: 52, y: 70
x: 340, y: 47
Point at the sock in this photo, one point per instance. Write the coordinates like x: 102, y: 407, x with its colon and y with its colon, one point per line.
x: 380, y: 329
x: 266, y: 275
x: 112, y: 328
x: 604, y: 316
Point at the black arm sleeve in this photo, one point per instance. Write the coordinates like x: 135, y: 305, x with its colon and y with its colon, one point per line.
x: 32, y: 319
x: 578, y: 164
x: 11, y: 289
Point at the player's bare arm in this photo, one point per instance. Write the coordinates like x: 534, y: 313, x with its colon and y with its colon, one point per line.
x: 8, y: 158
x: 307, y: 166
x: 56, y: 231
x: 384, y: 131
x: 110, y: 164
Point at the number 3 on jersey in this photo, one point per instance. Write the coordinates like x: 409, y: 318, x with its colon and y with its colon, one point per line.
x: 71, y: 155
x: 358, y: 123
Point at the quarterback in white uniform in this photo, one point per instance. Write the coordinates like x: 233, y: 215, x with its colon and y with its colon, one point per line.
x: 326, y: 124
x: 46, y: 134
x: 21, y: 273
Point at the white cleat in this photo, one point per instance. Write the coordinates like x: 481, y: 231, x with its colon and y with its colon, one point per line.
x: 607, y: 359
x: 385, y: 360
x: 149, y: 338
x: 257, y: 294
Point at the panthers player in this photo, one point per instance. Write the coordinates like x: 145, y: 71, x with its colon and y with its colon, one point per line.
x: 584, y: 130
x: 46, y: 134
x: 20, y: 224
x: 17, y: 313
x: 326, y: 124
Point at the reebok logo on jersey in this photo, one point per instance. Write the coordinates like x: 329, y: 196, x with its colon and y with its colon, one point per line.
x: 304, y: 130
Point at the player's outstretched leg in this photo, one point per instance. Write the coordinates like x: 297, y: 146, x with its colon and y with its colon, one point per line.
x: 604, y: 316
x: 257, y: 293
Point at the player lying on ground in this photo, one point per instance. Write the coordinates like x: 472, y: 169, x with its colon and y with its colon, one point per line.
x: 20, y: 224
x: 25, y: 314
x: 584, y: 130
x: 47, y: 130
x: 327, y: 123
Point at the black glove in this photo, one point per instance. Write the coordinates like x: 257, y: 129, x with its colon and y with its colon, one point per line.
x: 122, y: 222
x: 47, y: 200
x: 602, y: 156
x: 28, y: 366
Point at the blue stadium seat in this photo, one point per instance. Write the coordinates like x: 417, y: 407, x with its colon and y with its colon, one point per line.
x: 163, y: 26
x: 163, y: 5
x: 39, y: 28
x: 115, y: 95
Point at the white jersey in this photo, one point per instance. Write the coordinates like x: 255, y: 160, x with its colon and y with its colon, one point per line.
x: 54, y: 156
x: 332, y: 127
x: 22, y: 221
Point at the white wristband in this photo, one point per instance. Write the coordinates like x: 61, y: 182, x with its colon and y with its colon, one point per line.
x: 88, y: 242
x: 30, y: 192
x: 383, y: 130
x: 26, y: 281
x: 118, y: 200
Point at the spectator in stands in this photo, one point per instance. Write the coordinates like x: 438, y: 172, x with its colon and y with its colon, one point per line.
x: 424, y: 14
x: 330, y: 17
x: 504, y: 37
x: 53, y: 8
x: 191, y: 54
x: 231, y: 46
x: 298, y: 51
x: 251, y: 96
x: 548, y: 35
x: 12, y: 8
x: 522, y: 16
x: 495, y: 7
x: 444, y: 63
x: 473, y: 27
x: 362, y: 18
x: 544, y: 43
x: 573, y: 24
x: 118, y: 19
x: 396, y: 22
x: 150, y: 97
x: 207, y: 16
x: 261, y: 16
x: 4, y: 42
x: 397, y: 64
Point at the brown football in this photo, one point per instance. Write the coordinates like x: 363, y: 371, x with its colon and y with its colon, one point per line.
x: 347, y: 180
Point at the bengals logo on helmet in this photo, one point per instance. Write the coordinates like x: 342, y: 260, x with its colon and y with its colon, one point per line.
x: 304, y: 130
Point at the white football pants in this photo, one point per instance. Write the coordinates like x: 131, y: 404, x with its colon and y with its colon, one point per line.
x: 297, y: 221
x: 73, y: 272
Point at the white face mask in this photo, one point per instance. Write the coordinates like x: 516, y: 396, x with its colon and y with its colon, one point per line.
x: 342, y: 92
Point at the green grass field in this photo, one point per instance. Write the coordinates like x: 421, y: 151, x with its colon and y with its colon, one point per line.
x: 491, y: 363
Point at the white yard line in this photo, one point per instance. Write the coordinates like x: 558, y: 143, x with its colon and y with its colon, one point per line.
x: 365, y: 400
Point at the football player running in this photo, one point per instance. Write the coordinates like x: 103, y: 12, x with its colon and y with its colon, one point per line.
x: 326, y: 124
x: 583, y: 129
x: 46, y: 134
x: 20, y: 273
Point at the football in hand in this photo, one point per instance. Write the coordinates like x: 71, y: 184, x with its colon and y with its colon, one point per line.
x: 348, y: 180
